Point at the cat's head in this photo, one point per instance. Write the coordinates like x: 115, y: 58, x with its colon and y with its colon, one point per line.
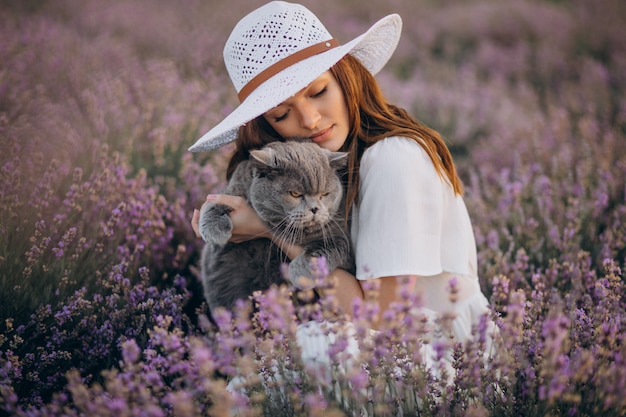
x: 296, y: 184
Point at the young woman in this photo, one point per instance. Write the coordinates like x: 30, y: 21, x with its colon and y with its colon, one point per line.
x: 404, y: 198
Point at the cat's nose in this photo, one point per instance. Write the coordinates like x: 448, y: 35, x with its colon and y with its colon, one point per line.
x: 314, y: 210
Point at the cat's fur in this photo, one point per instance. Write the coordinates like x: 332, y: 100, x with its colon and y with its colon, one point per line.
x: 295, y: 188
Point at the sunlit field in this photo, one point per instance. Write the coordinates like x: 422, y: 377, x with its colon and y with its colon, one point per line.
x: 101, y: 312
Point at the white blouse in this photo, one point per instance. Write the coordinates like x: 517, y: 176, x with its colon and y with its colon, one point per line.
x: 408, y: 220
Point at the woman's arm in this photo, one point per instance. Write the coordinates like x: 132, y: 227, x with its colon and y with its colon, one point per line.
x: 388, y: 293
x: 346, y: 288
x: 247, y: 224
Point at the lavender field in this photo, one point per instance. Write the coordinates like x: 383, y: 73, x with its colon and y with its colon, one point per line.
x: 100, y: 310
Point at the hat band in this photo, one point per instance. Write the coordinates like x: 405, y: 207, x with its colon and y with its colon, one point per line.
x: 288, y: 61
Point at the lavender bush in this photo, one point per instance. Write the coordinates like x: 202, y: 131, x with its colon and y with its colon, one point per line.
x: 99, y: 301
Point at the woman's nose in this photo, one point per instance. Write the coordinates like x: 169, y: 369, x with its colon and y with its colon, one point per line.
x: 309, y: 115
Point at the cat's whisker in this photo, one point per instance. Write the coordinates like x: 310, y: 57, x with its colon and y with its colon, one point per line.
x: 339, y: 227
x: 281, y: 233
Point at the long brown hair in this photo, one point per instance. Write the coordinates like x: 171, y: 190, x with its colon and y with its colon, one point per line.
x: 372, y: 119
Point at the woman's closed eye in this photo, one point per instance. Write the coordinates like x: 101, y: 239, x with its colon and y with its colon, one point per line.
x: 281, y: 117
x: 284, y: 115
x: 319, y: 93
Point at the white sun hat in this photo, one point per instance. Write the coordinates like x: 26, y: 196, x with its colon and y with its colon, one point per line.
x: 279, y: 49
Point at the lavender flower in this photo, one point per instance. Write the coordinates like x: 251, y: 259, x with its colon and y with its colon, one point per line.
x: 100, y: 309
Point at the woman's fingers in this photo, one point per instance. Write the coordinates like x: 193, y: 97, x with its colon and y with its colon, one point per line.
x: 246, y: 222
x: 195, y: 222
x: 227, y: 200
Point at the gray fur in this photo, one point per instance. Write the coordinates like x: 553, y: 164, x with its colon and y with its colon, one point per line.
x: 314, y: 220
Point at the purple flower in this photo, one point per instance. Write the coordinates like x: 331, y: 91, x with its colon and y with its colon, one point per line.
x: 130, y: 351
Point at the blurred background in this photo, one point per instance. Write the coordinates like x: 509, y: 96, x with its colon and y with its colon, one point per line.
x: 100, y: 100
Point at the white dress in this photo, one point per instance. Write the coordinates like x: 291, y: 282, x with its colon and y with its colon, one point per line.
x: 410, y: 222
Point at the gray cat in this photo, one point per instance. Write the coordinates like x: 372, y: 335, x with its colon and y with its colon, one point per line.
x: 295, y: 188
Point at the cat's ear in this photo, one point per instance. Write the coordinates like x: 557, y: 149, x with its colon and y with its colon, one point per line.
x: 266, y: 156
x: 338, y: 159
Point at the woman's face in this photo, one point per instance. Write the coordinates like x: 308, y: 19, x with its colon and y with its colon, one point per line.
x: 318, y: 112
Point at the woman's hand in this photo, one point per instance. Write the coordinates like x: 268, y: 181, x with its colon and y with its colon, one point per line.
x: 247, y: 224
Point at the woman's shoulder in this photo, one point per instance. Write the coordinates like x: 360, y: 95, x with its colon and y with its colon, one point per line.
x: 394, y: 150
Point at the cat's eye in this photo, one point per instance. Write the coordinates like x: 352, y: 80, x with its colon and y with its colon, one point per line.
x: 295, y: 194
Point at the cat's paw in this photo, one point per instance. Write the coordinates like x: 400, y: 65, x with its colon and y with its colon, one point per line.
x: 215, y: 225
x: 300, y: 273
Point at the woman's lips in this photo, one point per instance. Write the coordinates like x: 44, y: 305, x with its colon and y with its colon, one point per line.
x: 322, y: 136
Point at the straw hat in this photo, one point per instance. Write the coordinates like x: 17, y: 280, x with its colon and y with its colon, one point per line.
x: 279, y: 49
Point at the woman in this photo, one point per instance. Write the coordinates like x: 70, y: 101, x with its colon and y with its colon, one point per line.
x: 404, y: 198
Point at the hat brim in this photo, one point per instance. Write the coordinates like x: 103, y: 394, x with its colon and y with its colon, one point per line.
x: 373, y: 49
